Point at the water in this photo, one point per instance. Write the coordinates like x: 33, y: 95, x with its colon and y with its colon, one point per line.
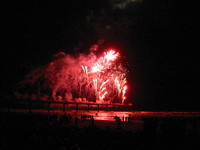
x: 109, y: 115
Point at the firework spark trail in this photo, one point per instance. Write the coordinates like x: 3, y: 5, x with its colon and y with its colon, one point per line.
x: 101, y: 79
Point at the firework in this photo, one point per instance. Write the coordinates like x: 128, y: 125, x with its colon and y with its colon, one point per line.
x: 86, y: 77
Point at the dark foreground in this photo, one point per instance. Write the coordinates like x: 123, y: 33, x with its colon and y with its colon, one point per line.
x: 51, y: 131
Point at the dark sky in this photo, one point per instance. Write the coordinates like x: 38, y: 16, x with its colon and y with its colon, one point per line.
x: 158, y: 39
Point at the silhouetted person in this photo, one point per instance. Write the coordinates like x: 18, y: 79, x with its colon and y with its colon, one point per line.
x: 123, y: 118
x: 69, y: 117
x: 126, y: 118
x: 92, y: 121
x: 76, y: 121
x: 132, y: 118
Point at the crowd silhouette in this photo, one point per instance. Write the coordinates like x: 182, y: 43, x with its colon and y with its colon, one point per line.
x: 52, y: 131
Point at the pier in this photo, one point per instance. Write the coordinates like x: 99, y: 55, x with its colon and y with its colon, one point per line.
x: 76, y: 105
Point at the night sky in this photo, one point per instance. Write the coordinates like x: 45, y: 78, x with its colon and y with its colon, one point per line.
x: 159, y: 40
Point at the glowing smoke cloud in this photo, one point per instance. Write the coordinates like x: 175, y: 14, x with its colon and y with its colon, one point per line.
x: 84, y: 78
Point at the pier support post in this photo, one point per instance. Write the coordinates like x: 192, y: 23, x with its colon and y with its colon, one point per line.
x: 30, y: 106
x: 77, y: 107
x: 63, y: 107
x: 48, y: 107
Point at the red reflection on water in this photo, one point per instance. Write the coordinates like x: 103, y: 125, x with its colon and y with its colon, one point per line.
x: 109, y: 115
